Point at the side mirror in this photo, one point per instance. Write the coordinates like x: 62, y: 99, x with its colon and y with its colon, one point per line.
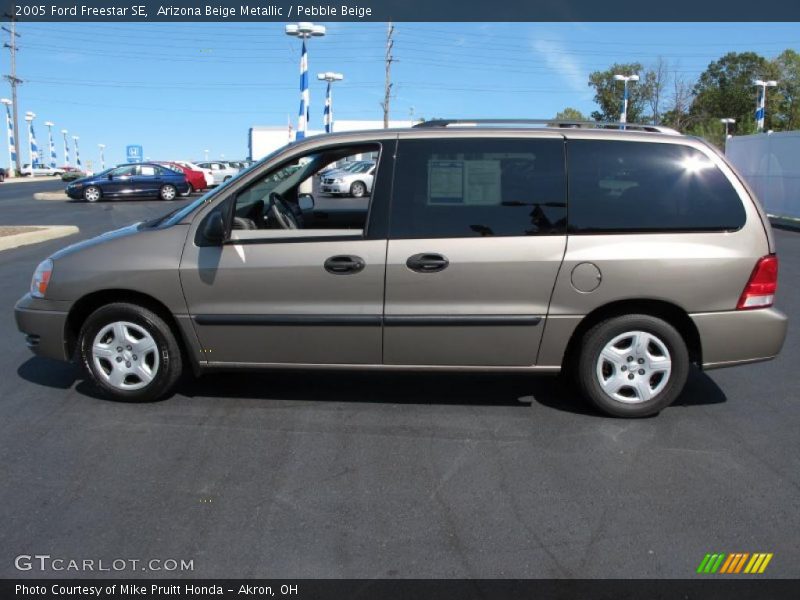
x: 305, y: 202
x: 214, y: 228
x: 110, y: 177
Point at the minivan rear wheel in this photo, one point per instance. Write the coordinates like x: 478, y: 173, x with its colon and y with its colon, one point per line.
x: 633, y: 365
x: 130, y: 353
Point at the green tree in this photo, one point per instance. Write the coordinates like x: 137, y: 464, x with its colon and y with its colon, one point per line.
x: 725, y: 89
x: 608, y: 93
x: 787, y: 116
x: 571, y: 114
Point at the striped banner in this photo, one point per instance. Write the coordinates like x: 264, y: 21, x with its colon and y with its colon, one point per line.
x: 77, y: 153
x: 66, y: 149
x: 760, y: 108
x: 52, y: 146
x: 34, y: 148
x: 12, y: 144
x: 303, y: 116
x: 734, y: 564
x: 327, y: 115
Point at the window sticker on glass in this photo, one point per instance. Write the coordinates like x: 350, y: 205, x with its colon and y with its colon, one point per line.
x: 445, y: 182
x: 483, y: 182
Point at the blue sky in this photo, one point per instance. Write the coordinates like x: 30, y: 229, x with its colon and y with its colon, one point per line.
x: 181, y: 88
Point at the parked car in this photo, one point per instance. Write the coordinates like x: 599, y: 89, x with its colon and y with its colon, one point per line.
x: 39, y: 170
x: 196, y: 179
x: 73, y: 175
x: 130, y: 180
x: 206, y: 172
x: 221, y: 171
x: 355, y: 182
x: 483, y: 249
x: 347, y: 167
x: 2, y: 175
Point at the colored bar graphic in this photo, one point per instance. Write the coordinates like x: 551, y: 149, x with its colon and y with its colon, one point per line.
x: 740, y: 564
x: 764, y: 564
x: 727, y: 564
x: 735, y: 563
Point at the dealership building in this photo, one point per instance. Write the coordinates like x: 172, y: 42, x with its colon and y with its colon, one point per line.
x: 264, y: 139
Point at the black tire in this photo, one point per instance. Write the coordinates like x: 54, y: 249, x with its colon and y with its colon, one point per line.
x: 168, y: 192
x: 89, y: 196
x: 170, y: 366
x: 604, y: 333
x: 358, y: 189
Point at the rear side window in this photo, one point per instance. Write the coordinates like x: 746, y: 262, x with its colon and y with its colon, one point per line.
x: 647, y: 187
x: 457, y: 188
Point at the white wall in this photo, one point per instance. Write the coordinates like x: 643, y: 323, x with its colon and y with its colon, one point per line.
x: 266, y: 139
x: 770, y: 162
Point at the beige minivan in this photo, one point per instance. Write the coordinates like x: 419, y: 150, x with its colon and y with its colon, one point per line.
x: 617, y: 256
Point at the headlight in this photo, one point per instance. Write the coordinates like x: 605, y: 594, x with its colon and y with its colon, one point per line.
x: 338, y: 181
x: 41, y: 278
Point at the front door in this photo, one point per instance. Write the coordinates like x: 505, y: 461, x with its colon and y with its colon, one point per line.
x: 478, y: 231
x: 284, y: 288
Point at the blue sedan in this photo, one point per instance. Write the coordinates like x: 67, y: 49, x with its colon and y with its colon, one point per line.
x: 144, y: 179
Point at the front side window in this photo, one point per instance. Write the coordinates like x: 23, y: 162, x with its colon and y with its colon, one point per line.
x: 455, y: 188
x: 296, y: 195
x: 647, y: 187
x: 125, y: 171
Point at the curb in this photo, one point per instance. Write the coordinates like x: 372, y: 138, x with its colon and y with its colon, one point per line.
x: 50, y: 232
x: 50, y: 196
x: 43, y: 179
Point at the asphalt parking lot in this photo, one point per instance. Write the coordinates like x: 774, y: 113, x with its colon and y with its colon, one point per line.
x: 370, y: 475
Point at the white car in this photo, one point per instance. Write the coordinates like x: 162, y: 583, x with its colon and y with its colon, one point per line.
x: 355, y: 182
x: 40, y: 170
x: 195, y: 167
x: 221, y: 171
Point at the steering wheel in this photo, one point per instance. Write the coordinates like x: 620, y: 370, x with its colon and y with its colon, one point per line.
x: 281, y: 213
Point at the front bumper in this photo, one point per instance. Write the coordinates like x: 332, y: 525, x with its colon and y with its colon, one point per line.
x: 335, y: 188
x: 75, y: 193
x: 44, y: 324
x: 742, y: 336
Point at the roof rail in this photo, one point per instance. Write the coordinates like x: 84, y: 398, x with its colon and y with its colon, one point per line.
x: 558, y: 123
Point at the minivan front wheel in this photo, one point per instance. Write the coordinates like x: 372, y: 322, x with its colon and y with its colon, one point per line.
x: 358, y: 189
x: 130, y: 353
x: 633, y: 366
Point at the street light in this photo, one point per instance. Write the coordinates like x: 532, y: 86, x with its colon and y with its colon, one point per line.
x: 64, y: 132
x: 304, y: 31
x: 761, y: 101
x: 33, y: 150
x: 102, y: 156
x: 12, y: 144
x: 625, y: 79
x: 727, y: 121
x: 327, y: 117
x: 49, y: 125
x: 206, y: 152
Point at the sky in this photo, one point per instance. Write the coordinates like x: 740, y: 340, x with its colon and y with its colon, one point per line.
x: 178, y: 89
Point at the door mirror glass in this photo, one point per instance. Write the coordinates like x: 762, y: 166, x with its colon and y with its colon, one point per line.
x: 305, y: 202
x: 214, y: 228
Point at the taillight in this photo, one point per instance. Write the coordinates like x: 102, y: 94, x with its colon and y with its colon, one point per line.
x: 760, y: 289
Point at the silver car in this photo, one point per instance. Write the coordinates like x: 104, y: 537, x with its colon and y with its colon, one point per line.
x: 618, y: 257
x: 220, y: 171
x: 355, y: 181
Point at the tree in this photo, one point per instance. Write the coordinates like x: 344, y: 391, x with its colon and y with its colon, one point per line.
x: 608, y: 93
x: 725, y: 88
x: 787, y: 116
x: 571, y: 114
x: 655, y: 82
x: 677, y: 107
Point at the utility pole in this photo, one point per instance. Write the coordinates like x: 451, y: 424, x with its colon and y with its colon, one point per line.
x: 12, y: 79
x: 387, y: 92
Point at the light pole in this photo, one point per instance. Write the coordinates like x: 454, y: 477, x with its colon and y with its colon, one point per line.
x: 49, y: 125
x: 625, y: 79
x: 75, y: 139
x: 761, y: 101
x: 728, y: 122
x: 304, y: 31
x: 33, y: 150
x: 12, y: 144
x: 64, y: 132
x: 102, y: 156
x: 327, y: 116
x: 206, y: 153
